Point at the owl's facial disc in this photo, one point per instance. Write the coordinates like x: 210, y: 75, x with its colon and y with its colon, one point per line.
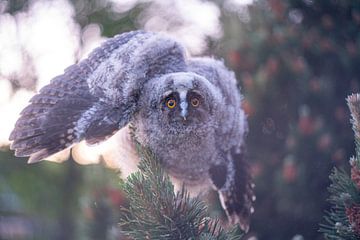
x: 185, y: 101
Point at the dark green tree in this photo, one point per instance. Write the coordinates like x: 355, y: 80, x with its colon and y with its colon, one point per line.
x: 343, y: 220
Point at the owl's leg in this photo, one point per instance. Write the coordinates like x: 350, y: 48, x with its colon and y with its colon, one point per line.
x: 233, y: 182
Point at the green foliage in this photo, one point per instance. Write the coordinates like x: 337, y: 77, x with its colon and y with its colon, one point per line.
x: 342, y: 221
x: 101, y: 13
x: 156, y: 212
x: 342, y: 192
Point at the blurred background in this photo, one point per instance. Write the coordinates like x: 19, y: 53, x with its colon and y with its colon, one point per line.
x: 295, y: 62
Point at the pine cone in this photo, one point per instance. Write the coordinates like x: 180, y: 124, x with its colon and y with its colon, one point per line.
x: 353, y: 214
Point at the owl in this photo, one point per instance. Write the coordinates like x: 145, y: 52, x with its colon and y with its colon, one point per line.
x: 187, y: 110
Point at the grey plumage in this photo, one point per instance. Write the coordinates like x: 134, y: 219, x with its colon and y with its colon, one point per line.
x: 187, y: 110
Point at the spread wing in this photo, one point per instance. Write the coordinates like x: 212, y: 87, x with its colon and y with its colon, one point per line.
x: 96, y: 97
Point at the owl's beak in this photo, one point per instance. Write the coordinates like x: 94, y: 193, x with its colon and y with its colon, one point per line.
x: 184, y: 112
x: 184, y: 118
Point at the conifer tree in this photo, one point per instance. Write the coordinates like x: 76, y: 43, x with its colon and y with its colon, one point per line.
x: 155, y: 211
x: 343, y: 220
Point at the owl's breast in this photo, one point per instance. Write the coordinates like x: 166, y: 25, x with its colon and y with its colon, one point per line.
x: 188, y: 160
x: 185, y: 153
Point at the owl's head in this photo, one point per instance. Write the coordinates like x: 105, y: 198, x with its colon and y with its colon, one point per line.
x: 182, y: 101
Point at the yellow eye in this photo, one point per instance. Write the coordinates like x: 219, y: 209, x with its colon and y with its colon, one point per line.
x: 171, y: 103
x: 195, y: 102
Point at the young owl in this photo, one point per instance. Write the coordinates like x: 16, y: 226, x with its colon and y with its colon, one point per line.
x: 186, y: 110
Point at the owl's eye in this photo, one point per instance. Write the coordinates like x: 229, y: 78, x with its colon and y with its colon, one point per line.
x: 195, y: 102
x: 171, y: 103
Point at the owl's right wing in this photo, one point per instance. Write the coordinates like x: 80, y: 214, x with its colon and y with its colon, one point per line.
x: 96, y: 97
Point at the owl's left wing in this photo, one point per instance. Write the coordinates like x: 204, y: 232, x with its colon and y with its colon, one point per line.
x: 234, y: 184
x: 96, y: 97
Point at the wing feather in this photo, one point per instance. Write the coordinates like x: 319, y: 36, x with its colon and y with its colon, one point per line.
x: 237, y: 194
x: 95, y: 97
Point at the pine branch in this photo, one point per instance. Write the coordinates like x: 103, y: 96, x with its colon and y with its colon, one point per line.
x: 343, y: 220
x: 156, y: 212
